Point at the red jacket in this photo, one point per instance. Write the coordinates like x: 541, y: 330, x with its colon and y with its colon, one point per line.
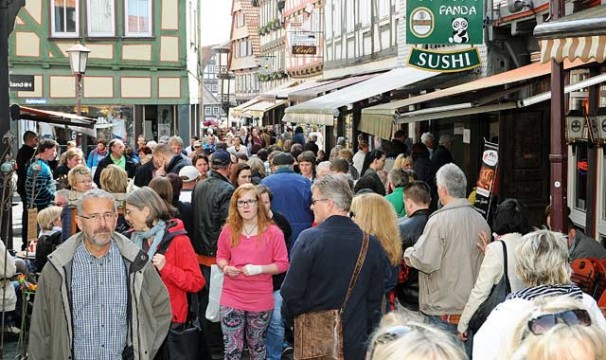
x: 181, y: 273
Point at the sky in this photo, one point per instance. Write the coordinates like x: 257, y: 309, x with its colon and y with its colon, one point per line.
x: 216, y: 21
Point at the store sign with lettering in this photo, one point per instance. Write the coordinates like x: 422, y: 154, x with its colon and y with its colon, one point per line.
x: 444, y: 22
x: 21, y: 82
x: 444, y: 61
x: 303, y: 50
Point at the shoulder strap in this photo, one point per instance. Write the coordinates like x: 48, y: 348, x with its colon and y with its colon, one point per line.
x: 167, y: 239
x: 505, y: 267
x: 357, y: 269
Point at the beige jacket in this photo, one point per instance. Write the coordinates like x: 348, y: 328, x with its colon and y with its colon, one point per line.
x: 8, y: 296
x: 447, y: 258
x: 491, y: 273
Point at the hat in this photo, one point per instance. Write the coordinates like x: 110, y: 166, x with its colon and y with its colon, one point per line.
x: 283, y: 159
x: 189, y: 173
x: 220, y: 157
x: 197, y: 143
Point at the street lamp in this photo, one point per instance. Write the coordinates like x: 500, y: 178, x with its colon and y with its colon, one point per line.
x: 78, y: 56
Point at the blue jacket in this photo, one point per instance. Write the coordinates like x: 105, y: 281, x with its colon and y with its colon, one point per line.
x: 291, y: 198
x: 321, y: 266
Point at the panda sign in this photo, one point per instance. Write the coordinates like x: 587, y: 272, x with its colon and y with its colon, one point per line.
x: 444, y: 22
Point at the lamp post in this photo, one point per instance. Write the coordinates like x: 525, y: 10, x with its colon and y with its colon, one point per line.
x: 78, y: 57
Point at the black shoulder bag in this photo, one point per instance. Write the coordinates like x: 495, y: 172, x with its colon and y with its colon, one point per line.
x: 498, y: 293
x: 182, y: 341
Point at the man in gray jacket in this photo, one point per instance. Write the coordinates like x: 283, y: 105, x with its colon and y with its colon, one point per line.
x: 98, y: 296
x: 446, y: 254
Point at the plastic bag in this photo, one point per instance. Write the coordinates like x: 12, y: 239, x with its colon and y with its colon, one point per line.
x: 214, y: 294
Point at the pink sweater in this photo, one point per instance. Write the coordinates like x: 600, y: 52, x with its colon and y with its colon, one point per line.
x: 251, y: 293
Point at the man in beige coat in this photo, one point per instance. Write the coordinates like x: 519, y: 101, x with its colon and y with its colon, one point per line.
x: 446, y: 254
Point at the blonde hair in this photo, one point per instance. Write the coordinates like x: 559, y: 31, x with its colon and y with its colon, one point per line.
x: 47, y: 216
x: 421, y: 342
x: 376, y: 216
x: 542, y: 258
x: 555, y: 344
x: 402, y: 162
x: 76, y: 172
x: 113, y: 179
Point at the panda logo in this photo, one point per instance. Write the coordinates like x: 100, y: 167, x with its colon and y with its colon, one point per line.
x: 459, y: 31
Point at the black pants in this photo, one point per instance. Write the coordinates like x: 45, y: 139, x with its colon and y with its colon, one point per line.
x: 212, y: 335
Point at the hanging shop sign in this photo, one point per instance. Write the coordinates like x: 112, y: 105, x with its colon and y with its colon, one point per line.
x: 444, y: 61
x: 444, y: 22
x: 303, y: 50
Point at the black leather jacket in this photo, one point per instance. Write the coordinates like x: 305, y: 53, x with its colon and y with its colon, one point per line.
x: 411, y: 230
x: 210, y: 200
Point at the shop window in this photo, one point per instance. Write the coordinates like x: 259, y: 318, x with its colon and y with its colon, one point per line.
x: 100, y: 18
x: 64, y: 18
x: 580, y: 177
x: 138, y: 18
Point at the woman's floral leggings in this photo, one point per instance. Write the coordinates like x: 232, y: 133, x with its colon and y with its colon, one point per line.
x: 238, y: 324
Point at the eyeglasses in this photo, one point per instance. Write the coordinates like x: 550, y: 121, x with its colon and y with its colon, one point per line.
x: 244, y: 203
x: 541, y: 324
x: 108, y: 216
x: 314, y: 201
x: 391, y: 334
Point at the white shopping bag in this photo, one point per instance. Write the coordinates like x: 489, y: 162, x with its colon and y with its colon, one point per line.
x: 214, y: 294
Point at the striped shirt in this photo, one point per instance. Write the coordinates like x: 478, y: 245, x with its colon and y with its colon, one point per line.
x: 99, y: 304
x: 547, y: 290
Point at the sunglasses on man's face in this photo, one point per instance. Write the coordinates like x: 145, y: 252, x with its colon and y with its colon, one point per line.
x: 541, y: 324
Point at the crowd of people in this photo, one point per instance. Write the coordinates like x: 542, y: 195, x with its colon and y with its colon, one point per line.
x: 260, y: 228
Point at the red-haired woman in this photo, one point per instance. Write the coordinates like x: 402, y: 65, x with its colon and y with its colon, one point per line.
x: 250, y: 250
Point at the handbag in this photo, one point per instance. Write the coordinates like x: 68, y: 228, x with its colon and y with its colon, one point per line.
x: 498, y: 293
x: 214, y: 294
x: 182, y: 342
x: 319, y: 334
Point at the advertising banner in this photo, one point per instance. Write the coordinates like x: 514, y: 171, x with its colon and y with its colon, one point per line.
x: 486, y: 179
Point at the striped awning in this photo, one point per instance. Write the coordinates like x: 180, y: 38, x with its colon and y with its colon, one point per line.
x: 580, y: 47
x: 581, y: 35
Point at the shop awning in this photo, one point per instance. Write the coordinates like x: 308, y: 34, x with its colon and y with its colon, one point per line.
x: 581, y: 35
x: 308, y: 94
x: 324, y: 109
x: 378, y: 120
x: 237, y: 111
x: 282, y: 93
x: 258, y: 109
x: 81, y: 124
x: 469, y: 108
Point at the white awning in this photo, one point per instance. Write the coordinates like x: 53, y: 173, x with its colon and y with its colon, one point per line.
x: 324, y: 109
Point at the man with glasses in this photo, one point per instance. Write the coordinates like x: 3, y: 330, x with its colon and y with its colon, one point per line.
x: 322, y: 263
x: 210, y: 201
x: 117, y: 157
x: 98, y: 292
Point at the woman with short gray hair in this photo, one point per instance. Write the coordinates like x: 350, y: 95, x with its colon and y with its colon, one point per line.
x: 169, y: 248
x: 542, y: 263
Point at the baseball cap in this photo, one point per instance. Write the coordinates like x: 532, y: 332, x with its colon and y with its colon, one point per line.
x: 189, y: 173
x: 197, y: 143
x: 220, y: 157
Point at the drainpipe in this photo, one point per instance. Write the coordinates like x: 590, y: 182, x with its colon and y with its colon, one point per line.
x: 558, y: 156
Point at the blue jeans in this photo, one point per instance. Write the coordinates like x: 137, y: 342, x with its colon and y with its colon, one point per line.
x: 452, y: 329
x: 274, y: 341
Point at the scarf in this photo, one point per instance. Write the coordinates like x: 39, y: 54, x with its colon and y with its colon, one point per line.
x: 547, y: 290
x: 157, y: 232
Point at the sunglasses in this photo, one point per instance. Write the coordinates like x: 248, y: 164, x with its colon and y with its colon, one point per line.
x: 541, y: 324
x: 391, y: 334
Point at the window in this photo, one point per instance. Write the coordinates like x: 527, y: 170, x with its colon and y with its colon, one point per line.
x: 580, y: 180
x: 214, y: 88
x: 337, y: 20
x: 349, y: 16
x: 240, y: 19
x: 207, y: 110
x: 100, y: 18
x: 364, y: 15
x: 64, y: 18
x: 215, y: 110
x: 138, y: 18
x: 384, y: 6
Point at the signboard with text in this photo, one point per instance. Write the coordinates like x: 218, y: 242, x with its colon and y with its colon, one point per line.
x: 444, y: 22
x: 21, y: 82
x: 444, y: 61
